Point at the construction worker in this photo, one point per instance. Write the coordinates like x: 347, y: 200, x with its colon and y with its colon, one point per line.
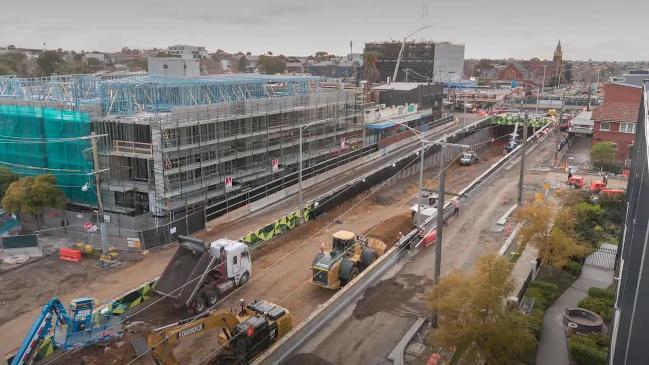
x: 456, y: 207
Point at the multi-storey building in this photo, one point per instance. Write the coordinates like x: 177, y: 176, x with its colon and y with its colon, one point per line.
x: 173, y: 144
x: 420, y: 61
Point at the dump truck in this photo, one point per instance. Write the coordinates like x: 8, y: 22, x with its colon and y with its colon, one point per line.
x: 349, y: 255
x: 242, y: 335
x: 198, y: 275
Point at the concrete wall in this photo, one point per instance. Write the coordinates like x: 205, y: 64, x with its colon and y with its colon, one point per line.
x: 175, y: 67
x: 448, y: 58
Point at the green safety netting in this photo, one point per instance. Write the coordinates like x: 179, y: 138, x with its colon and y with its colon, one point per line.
x: 37, y: 140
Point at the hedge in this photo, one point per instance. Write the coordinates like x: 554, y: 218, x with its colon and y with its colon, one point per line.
x: 574, y: 268
x: 589, y: 349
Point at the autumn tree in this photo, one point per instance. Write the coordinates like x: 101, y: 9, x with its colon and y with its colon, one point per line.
x: 554, y: 243
x: 472, y: 314
x: 30, y: 195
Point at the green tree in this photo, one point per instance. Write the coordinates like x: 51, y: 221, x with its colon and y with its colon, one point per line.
x: 603, y: 155
x: 242, y: 64
x: 472, y: 314
x: 370, y: 70
x: 6, y: 178
x: 14, y: 63
x: 555, y: 245
x: 30, y: 195
x: 272, y: 65
x: 49, y: 62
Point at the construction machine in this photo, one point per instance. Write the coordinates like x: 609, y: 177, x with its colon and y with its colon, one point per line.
x: 349, y: 255
x: 198, y: 275
x: 242, y: 334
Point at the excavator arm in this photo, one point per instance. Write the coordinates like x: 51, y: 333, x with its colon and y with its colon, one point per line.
x: 163, y: 340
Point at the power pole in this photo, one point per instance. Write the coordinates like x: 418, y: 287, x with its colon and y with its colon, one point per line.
x: 420, y: 217
x: 523, y: 150
x: 440, y: 220
x: 105, y: 256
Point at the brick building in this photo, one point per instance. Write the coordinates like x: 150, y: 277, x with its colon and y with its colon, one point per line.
x: 615, y: 121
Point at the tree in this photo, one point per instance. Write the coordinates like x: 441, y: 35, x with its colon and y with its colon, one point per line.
x: 30, y: 195
x: 6, y: 178
x: 49, y: 61
x: 242, y: 64
x: 370, y: 70
x: 603, y: 154
x: 555, y: 245
x: 473, y: 316
x: 272, y: 65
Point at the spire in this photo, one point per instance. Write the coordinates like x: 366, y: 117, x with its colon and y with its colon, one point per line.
x: 558, y: 51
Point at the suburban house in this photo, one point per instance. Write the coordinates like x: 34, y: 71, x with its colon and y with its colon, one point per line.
x: 616, y: 119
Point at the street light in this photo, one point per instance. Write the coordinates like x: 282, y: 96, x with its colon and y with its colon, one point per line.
x: 424, y: 143
x: 302, y: 128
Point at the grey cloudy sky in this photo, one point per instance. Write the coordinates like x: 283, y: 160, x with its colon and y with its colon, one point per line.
x: 597, y: 29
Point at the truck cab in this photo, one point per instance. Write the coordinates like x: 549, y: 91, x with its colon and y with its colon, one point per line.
x: 236, y: 256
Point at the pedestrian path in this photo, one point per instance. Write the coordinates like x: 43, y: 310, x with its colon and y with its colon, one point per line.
x: 553, y: 347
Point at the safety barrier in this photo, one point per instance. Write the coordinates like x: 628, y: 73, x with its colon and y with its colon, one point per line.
x: 69, y: 254
x: 281, y: 225
x: 325, y: 312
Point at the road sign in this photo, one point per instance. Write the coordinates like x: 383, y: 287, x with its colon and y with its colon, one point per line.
x: 228, y: 181
x: 514, y: 84
x: 275, y: 163
x: 87, y: 226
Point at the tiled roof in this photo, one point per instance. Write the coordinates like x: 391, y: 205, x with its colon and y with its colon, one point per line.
x: 623, y: 112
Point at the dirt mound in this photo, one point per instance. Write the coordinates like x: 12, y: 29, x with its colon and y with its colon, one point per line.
x: 388, y: 230
x: 311, y: 359
x: 390, y: 295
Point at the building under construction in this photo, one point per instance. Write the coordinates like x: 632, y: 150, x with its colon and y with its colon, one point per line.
x: 172, y: 145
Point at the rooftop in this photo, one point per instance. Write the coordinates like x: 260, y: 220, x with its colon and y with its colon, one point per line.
x: 617, y: 112
x: 133, y: 94
x: 401, y: 86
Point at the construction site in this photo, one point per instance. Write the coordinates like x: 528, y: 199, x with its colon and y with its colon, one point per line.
x: 176, y: 152
x: 380, y: 211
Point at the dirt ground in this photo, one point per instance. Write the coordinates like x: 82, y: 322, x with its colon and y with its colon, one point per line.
x: 388, y: 308
x: 281, y: 269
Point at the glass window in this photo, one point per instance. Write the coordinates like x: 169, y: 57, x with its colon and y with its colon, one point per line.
x: 605, y: 126
x: 627, y: 127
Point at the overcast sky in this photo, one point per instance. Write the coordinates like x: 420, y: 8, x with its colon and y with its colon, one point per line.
x: 598, y: 29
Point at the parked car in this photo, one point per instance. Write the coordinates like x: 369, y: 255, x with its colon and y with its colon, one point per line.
x: 468, y: 158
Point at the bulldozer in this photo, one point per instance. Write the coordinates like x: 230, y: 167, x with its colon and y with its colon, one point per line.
x: 349, y: 255
x: 242, y: 335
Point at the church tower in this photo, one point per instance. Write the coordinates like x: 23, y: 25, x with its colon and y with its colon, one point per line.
x: 558, y: 54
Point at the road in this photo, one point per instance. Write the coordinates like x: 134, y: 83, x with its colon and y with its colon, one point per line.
x: 390, y: 307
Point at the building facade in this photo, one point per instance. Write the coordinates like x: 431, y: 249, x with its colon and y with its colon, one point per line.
x: 615, y: 120
x: 420, y: 61
x: 174, y: 67
x: 186, y: 51
x: 631, y: 317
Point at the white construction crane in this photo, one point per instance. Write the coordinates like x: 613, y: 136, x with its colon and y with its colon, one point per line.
x: 403, y: 45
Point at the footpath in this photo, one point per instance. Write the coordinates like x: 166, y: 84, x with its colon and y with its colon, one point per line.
x: 553, y: 347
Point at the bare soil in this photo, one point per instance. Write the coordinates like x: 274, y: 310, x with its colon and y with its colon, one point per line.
x: 392, y: 294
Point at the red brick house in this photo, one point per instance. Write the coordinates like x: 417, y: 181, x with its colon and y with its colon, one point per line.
x: 615, y: 120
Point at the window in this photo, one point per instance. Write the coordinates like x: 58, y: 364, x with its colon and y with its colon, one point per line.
x: 605, y: 126
x: 165, y: 66
x: 627, y: 127
x: 234, y: 260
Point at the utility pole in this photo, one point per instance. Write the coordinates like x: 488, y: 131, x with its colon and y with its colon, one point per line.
x: 523, y: 150
x: 420, y: 216
x: 105, y: 256
x: 440, y: 221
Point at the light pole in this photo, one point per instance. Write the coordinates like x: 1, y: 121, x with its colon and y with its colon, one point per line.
x: 300, y: 192
x: 523, y: 150
x: 105, y: 256
x: 540, y: 90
